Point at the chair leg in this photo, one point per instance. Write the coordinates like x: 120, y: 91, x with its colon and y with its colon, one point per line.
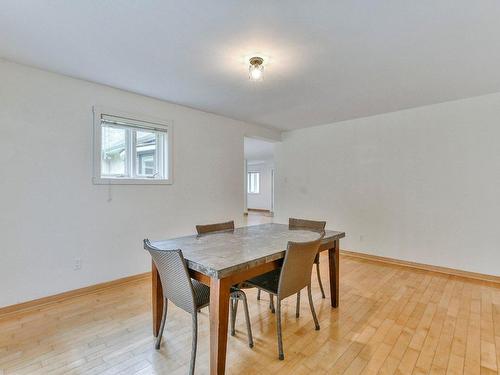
x: 162, y: 324
x: 271, y: 303
x: 258, y: 295
x: 311, y: 305
x: 247, y: 319
x: 297, y: 308
x: 319, y: 281
x: 194, y: 344
x: 231, y: 315
x: 281, y: 355
x: 234, y: 310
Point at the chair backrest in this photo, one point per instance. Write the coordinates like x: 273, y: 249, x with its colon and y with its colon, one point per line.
x: 297, y: 266
x: 217, y: 227
x: 317, y: 226
x: 174, y: 276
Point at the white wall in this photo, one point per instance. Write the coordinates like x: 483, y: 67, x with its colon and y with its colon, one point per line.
x: 420, y: 185
x: 263, y: 200
x: 51, y: 213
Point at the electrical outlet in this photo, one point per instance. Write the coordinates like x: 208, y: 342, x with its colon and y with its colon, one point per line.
x: 361, y: 237
x: 77, y: 265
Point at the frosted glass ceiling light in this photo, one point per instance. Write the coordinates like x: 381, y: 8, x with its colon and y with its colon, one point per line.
x: 256, y: 69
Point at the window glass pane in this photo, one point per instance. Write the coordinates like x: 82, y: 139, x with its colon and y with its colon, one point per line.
x: 148, y: 153
x: 163, y: 141
x: 113, y: 151
x: 253, y: 182
x: 250, y: 183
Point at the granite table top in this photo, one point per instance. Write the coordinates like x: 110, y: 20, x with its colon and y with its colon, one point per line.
x: 222, y: 254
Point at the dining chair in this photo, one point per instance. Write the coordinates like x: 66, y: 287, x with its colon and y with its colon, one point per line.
x: 178, y: 288
x: 316, y: 226
x: 236, y: 292
x: 293, y: 276
x: 217, y: 227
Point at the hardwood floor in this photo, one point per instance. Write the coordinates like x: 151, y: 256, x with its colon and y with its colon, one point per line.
x: 255, y: 217
x: 391, y: 320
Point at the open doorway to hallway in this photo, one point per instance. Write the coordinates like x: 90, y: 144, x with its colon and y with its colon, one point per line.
x: 259, y: 180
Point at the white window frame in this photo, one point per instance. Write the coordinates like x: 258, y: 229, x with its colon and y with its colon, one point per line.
x: 248, y: 181
x: 138, y: 119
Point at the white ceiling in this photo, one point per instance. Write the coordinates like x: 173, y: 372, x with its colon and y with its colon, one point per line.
x: 257, y: 150
x: 328, y: 60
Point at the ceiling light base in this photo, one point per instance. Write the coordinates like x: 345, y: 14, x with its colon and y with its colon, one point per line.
x: 256, y: 60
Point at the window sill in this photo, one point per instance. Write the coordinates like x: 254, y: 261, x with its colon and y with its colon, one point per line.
x: 129, y: 181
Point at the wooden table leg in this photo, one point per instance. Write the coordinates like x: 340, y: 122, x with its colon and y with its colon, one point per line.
x: 156, y: 299
x: 219, y: 311
x: 334, y: 263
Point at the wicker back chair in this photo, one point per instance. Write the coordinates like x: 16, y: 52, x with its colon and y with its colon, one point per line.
x: 187, y: 294
x: 237, y: 294
x: 316, y: 226
x: 293, y: 276
x: 217, y: 227
x: 313, y: 225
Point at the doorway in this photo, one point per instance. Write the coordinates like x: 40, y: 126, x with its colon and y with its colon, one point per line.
x: 259, y: 177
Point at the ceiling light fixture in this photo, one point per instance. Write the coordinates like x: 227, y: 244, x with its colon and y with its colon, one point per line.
x: 256, y: 69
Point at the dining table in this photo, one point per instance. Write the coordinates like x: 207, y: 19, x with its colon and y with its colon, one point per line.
x: 226, y: 258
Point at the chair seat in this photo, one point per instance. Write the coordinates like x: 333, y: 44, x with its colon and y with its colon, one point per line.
x: 268, y: 281
x: 201, y: 294
x: 243, y: 285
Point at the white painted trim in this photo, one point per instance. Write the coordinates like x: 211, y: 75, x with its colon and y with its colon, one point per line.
x: 245, y: 185
x: 272, y: 190
x: 129, y: 181
x: 96, y: 140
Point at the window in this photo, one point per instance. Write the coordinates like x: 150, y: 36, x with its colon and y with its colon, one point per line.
x: 253, y: 183
x: 131, y: 151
